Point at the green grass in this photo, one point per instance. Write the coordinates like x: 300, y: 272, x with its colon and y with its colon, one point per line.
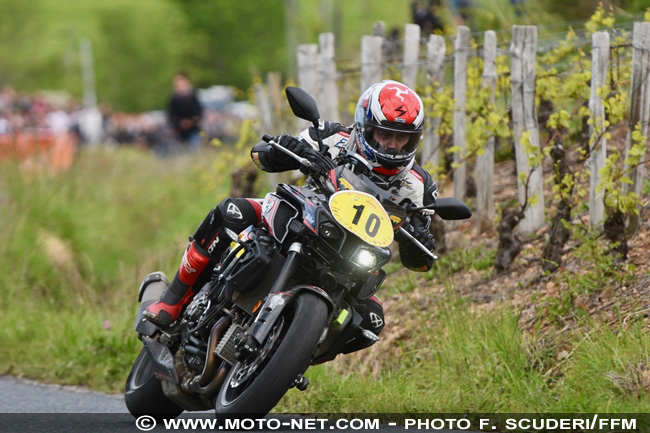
x: 476, y: 259
x: 469, y: 362
x: 75, y: 248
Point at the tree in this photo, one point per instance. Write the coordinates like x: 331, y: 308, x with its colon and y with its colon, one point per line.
x: 238, y: 39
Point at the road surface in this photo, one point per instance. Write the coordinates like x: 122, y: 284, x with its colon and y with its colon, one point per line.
x: 29, y: 406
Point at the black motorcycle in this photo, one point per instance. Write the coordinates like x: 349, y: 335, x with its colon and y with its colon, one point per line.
x: 282, y: 298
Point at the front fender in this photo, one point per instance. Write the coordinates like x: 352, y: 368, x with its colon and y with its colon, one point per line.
x: 276, y: 303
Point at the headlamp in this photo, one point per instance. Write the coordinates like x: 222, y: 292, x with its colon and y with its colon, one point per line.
x: 365, y: 258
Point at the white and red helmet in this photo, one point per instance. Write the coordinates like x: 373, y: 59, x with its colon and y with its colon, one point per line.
x: 392, y: 106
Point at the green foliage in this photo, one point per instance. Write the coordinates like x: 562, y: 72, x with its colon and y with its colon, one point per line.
x: 582, y: 9
x: 460, y: 359
x: 599, y: 19
x: 599, y: 268
x: 137, y: 47
x: 484, y: 118
x: 76, y: 246
x: 463, y: 259
x: 615, y: 175
x: 124, y: 47
x: 237, y: 40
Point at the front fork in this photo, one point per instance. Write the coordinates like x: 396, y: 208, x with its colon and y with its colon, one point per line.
x: 274, y: 305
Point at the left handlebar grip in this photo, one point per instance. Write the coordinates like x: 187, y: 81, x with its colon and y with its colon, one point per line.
x: 267, y: 138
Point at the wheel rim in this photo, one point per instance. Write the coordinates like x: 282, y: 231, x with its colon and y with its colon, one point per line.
x: 243, y: 374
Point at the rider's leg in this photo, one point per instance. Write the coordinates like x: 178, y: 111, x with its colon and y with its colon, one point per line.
x: 209, y: 242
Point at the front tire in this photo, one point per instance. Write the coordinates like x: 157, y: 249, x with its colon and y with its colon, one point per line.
x: 256, y: 386
x: 143, y: 393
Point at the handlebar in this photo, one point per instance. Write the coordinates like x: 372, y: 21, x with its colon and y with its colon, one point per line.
x: 271, y: 140
x: 418, y: 243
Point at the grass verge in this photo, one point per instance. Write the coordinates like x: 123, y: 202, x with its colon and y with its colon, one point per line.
x: 468, y: 361
x: 75, y: 247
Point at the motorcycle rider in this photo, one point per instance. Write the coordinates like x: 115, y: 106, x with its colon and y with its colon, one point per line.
x: 389, y: 120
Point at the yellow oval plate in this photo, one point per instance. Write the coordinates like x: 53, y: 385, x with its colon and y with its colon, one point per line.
x: 362, y: 215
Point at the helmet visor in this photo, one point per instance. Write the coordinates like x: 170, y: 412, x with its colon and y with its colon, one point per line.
x: 392, y: 141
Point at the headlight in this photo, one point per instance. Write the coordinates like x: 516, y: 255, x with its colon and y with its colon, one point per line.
x: 331, y: 234
x: 365, y: 259
x: 370, y: 259
x: 329, y: 230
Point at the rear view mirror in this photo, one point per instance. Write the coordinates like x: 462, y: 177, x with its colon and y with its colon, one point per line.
x: 449, y: 208
x: 302, y: 104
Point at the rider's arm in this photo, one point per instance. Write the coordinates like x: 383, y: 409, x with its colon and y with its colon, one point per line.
x: 334, y: 135
x: 272, y: 160
x: 410, y: 254
x: 429, y: 186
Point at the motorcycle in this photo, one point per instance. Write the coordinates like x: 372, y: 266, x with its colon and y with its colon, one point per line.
x: 284, y: 295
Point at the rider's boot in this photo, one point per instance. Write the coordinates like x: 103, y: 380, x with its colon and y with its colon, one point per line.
x: 179, y: 293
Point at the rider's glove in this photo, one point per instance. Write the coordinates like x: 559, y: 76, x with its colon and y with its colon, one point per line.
x: 412, y: 256
x: 419, y: 228
x: 304, y: 150
x: 291, y: 143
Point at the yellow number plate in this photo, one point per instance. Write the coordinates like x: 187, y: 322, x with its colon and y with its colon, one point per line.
x: 362, y: 215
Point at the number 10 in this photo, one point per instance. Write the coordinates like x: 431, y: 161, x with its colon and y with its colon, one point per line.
x: 372, y: 225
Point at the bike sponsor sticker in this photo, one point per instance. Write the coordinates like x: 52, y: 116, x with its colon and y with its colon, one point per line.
x: 363, y: 215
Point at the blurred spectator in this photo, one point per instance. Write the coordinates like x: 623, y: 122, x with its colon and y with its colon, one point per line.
x: 27, y: 120
x: 518, y: 6
x: 36, y: 130
x: 185, y: 112
x: 5, y: 127
x: 392, y: 45
x: 461, y: 10
x: 58, y: 121
x: 424, y: 15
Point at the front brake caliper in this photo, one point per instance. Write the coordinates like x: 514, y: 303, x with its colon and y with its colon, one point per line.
x: 247, y: 348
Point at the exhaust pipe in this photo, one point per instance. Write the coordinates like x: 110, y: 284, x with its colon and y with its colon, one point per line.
x: 213, y: 371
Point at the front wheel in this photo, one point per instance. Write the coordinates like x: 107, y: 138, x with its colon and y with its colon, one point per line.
x: 255, y: 386
x: 143, y: 393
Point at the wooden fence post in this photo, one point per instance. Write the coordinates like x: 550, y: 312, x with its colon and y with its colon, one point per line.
x: 371, y: 60
x: 599, y: 64
x: 435, y: 79
x: 639, y: 107
x: 328, y: 102
x: 276, y: 100
x: 264, y: 108
x: 308, y: 67
x: 379, y: 29
x: 524, y: 116
x: 411, y: 55
x: 266, y: 123
x: 461, y: 52
x: 485, y: 161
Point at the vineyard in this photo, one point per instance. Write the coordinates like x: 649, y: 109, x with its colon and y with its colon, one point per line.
x: 536, y: 316
x: 585, y: 98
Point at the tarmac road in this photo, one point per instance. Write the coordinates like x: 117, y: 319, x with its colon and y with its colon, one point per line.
x: 29, y: 406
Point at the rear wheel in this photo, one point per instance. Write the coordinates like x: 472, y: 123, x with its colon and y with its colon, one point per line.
x: 143, y: 393
x: 255, y: 386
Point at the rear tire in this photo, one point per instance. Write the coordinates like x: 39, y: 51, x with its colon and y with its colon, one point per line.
x: 143, y: 393
x: 290, y: 345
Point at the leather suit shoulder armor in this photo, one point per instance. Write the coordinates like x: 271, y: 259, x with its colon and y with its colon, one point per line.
x: 327, y: 129
x: 430, y: 187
